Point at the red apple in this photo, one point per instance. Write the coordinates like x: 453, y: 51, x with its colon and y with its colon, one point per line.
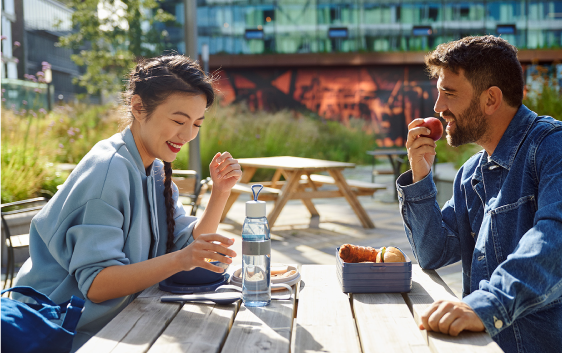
x: 435, y: 126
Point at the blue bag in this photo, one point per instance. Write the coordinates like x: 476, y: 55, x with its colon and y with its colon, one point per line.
x: 27, y: 327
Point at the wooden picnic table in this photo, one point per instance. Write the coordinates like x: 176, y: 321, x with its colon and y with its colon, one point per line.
x: 301, y: 183
x: 321, y: 318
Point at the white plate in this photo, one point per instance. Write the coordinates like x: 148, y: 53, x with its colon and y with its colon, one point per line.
x: 236, y: 278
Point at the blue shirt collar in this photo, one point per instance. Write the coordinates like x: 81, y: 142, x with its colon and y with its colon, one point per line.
x: 507, y: 148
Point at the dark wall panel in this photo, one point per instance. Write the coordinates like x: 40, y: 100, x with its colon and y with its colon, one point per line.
x: 387, y: 97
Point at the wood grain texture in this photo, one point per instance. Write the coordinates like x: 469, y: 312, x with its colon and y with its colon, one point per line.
x: 324, y: 321
x: 197, y: 328
x: 427, y: 287
x: 385, y: 324
x: 263, y: 329
x: 135, y: 328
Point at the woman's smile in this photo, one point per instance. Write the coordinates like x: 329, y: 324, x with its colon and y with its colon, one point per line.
x: 174, y: 147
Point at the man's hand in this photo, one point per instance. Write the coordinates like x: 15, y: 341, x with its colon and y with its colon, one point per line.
x: 450, y: 317
x: 421, y: 150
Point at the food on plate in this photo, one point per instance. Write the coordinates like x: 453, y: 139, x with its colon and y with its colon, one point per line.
x: 435, y: 126
x: 279, y: 269
x: 390, y: 254
x: 286, y: 274
x: 356, y: 253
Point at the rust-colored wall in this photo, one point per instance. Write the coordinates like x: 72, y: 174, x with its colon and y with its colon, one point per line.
x: 388, y: 97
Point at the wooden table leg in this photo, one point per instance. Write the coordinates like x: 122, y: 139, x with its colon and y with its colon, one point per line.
x: 351, y: 199
x: 276, y: 177
x: 309, y: 205
x: 290, y: 185
x: 247, y: 175
x: 307, y: 202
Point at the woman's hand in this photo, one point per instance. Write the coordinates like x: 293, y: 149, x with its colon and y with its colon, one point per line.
x: 206, y: 246
x: 421, y: 150
x: 225, y: 172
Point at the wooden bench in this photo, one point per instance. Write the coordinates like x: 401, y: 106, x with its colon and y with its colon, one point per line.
x: 266, y: 194
x: 360, y: 188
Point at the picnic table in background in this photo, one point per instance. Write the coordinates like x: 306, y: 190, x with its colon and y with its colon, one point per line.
x: 325, y: 319
x: 301, y: 183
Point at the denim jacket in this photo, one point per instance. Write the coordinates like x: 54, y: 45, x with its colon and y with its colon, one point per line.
x: 504, y: 222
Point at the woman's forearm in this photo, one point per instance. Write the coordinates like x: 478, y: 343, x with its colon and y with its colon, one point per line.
x: 119, y: 281
x: 209, y: 221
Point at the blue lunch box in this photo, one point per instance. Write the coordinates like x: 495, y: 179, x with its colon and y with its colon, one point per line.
x: 369, y: 277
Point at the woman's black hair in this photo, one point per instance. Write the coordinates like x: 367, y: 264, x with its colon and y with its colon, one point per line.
x: 154, y: 80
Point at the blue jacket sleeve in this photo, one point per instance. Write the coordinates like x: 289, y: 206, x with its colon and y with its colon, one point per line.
x: 94, y: 243
x: 432, y: 232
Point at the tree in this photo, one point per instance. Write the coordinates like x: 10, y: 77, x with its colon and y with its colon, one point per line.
x: 111, y: 35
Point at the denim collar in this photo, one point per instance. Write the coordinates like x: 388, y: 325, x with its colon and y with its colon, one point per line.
x: 129, y: 140
x: 507, y: 148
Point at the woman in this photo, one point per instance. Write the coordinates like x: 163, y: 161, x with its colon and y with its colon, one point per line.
x: 116, y: 226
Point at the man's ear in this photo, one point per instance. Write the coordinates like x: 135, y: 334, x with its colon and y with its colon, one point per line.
x: 493, y: 98
x: 137, y: 108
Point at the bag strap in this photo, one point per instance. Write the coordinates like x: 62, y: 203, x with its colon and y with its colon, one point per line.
x: 49, y: 309
x: 73, y: 313
x: 45, y: 306
x: 32, y: 293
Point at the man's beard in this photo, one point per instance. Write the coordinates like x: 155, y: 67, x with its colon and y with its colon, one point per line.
x: 469, y: 127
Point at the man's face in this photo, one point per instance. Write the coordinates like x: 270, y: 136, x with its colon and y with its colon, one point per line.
x: 459, y: 106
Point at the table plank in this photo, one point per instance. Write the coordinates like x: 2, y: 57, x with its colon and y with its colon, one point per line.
x: 263, y: 329
x: 385, y: 324
x: 197, y: 328
x: 135, y: 328
x: 324, y: 320
x: 427, y: 287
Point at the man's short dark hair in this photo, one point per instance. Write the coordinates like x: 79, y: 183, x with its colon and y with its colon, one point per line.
x: 486, y: 61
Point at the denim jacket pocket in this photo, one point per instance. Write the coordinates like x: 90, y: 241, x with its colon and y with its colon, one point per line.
x: 515, y: 219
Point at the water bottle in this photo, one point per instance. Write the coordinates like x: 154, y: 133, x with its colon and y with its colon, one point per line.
x: 256, y: 254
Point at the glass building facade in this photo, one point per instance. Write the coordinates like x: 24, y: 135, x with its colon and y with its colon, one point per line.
x: 319, y: 26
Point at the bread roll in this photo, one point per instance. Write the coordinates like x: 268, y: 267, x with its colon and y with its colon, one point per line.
x: 380, y: 255
x: 393, y: 255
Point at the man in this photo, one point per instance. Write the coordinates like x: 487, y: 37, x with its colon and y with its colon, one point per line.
x: 504, y: 221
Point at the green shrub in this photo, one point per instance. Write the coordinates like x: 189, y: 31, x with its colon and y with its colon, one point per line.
x: 26, y: 171
x: 33, y: 143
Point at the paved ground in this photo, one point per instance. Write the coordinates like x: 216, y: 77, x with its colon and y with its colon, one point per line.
x: 300, y: 239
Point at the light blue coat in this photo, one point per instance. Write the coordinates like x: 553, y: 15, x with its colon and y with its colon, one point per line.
x: 107, y: 213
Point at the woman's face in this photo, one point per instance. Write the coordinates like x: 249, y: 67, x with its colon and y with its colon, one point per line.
x: 171, y: 125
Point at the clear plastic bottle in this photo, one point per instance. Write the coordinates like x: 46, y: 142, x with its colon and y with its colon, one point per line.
x: 256, y: 254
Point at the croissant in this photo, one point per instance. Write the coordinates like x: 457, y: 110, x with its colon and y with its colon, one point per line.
x: 356, y: 253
